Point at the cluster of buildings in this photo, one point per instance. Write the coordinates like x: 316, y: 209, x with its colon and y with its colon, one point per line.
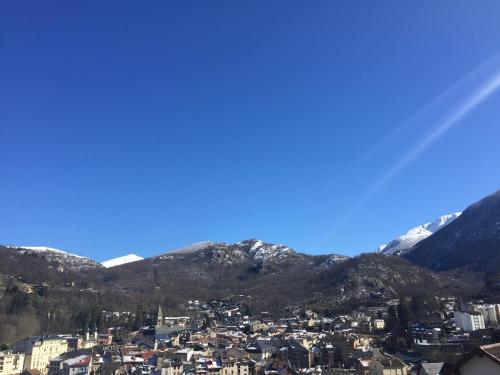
x: 217, y: 338
x: 53, y: 354
x: 476, y: 317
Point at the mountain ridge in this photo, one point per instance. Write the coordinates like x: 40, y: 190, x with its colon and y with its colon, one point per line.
x: 405, y: 242
x: 258, y: 248
x: 62, y: 257
x: 472, y: 240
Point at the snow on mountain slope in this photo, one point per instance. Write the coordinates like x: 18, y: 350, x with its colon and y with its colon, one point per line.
x: 192, y: 248
x: 66, y: 259
x: 256, y: 252
x: 44, y: 249
x: 263, y: 251
x: 121, y: 260
x: 403, y: 243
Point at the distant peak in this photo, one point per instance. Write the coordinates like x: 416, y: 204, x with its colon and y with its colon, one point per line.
x: 404, y: 242
x: 442, y: 221
x: 121, y: 260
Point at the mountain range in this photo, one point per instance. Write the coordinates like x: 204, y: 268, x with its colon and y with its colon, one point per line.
x: 456, y: 255
x: 399, y: 246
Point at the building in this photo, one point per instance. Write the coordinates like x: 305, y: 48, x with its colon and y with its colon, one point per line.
x: 378, y: 324
x: 258, y: 350
x: 184, y: 355
x: 159, y: 317
x: 433, y: 368
x: 80, y: 365
x: 344, y: 345
x: 11, y: 363
x: 39, y: 351
x: 209, y: 367
x: 469, y: 321
x: 489, y: 313
x: 245, y: 367
x: 387, y: 366
x: 448, y: 352
x: 257, y: 326
x: 481, y: 360
x: 172, y: 368
x: 362, y: 366
x: 298, y: 355
x: 231, y: 366
x: 181, y: 321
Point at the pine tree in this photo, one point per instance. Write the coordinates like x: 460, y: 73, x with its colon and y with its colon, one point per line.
x: 404, y: 313
x: 392, y: 319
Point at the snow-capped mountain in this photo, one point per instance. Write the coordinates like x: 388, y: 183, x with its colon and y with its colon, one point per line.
x: 472, y: 241
x: 64, y: 258
x: 253, y: 251
x: 121, y: 260
x: 402, y: 244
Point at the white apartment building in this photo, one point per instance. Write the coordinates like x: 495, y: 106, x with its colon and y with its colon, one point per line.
x: 490, y: 314
x: 11, y: 363
x: 40, y: 350
x: 469, y: 321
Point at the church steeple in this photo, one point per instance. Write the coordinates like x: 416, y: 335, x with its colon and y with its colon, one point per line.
x: 159, y: 317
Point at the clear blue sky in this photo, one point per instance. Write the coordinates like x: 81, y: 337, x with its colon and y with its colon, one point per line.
x: 139, y: 127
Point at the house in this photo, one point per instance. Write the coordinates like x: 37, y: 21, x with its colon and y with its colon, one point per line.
x: 344, y: 345
x: 75, y: 362
x: 259, y: 350
x: 362, y: 366
x: 327, y: 356
x: 245, y: 367
x: 172, y: 368
x: 181, y: 321
x: 231, y: 366
x: 378, y: 324
x: 387, y: 366
x: 257, y: 326
x: 298, y: 355
x: 481, y: 360
x: 80, y: 365
x: 276, y: 366
x: 184, y: 355
x: 209, y: 367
